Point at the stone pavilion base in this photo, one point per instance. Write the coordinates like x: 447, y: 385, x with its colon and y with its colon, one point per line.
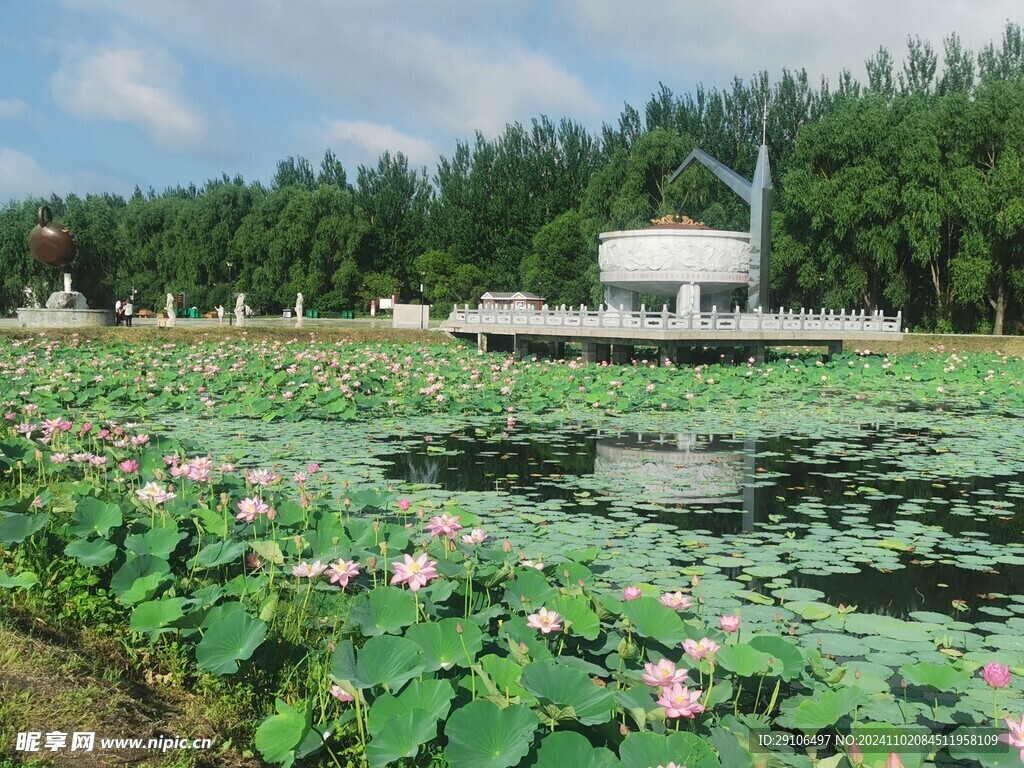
x: 65, y: 318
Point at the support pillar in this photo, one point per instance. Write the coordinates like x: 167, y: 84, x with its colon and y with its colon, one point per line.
x: 688, y: 299
x: 518, y: 346
x: 623, y: 354
x: 615, y: 298
x: 596, y: 353
x: 558, y: 350
x: 755, y: 351
x: 667, y: 351
x: 481, y: 342
x: 835, y: 348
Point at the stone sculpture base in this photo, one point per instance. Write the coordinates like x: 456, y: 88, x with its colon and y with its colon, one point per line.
x: 29, y: 317
x: 66, y: 300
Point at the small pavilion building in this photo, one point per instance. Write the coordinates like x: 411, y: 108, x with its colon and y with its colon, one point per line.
x: 517, y: 300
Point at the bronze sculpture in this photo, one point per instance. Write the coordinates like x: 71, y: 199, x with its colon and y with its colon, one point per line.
x: 50, y: 242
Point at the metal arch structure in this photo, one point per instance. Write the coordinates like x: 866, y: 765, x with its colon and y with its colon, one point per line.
x: 758, y: 195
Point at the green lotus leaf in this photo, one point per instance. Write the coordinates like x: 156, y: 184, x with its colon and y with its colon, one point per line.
x: 826, y: 708
x: 571, y: 692
x: 156, y: 614
x: 566, y: 748
x: 229, y: 642
x: 219, y: 553
x: 644, y: 750
x: 92, y: 553
x: 388, y: 661
x: 528, y: 591
x: 939, y: 677
x: 782, y: 650
x: 653, y: 620
x: 402, y: 737
x: 578, y: 616
x: 279, y: 736
x: 158, y: 542
x: 887, y: 626
x: 444, y: 645
x: 482, y: 735
x: 384, y: 610
x: 23, y: 580
x: 743, y: 660
x: 501, y: 677
x: 753, y: 597
x: 142, y: 566
x: 433, y: 696
x: 93, y: 517
x: 15, y: 528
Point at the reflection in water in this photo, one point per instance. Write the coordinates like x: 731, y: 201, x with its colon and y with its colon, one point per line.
x: 700, y: 482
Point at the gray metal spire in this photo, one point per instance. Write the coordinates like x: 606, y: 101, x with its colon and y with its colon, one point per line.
x: 758, y: 195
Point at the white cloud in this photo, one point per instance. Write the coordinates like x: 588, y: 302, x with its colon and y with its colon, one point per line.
x: 134, y: 87
x: 448, y: 65
x: 362, y: 142
x: 11, y: 108
x: 684, y: 43
x: 22, y: 176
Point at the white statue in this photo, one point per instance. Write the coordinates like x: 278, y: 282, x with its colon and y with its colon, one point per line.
x: 170, y: 309
x: 220, y: 314
x: 298, y: 310
x: 240, y: 309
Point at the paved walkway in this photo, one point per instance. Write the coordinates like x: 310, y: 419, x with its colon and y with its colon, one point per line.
x: 381, y: 323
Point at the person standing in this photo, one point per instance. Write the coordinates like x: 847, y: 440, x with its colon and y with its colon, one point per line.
x: 220, y: 314
x: 128, y: 309
x: 118, y: 312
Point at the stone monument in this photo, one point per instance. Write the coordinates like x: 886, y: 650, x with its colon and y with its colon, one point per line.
x: 169, y: 308
x: 54, y: 245
x: 298, y: 310
x: 240, y: 309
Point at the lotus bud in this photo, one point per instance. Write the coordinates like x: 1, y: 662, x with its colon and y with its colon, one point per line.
x: 856, y: 673
x: 371, y: 563
x: 623, y: 730
x: 383, y: 549
x: 39, y: 455
x: 506, y: 546
x: 458, y: 627
x: 695, y: 580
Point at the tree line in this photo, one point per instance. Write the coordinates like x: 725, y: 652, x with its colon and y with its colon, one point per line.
x: 904, y: 191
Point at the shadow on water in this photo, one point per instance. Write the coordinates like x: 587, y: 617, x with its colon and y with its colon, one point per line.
x: 730, y: 486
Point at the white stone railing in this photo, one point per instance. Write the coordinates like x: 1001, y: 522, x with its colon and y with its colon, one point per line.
x: 646, y: 319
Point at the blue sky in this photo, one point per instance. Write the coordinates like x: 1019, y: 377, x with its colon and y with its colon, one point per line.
x: 103, y: 95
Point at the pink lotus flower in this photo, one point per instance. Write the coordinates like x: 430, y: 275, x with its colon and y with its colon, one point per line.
x: 300, y: 479
x: 343, y: 570
x: 250, y: 509
x: 444, y: 525
x: 631, y: 593
x: 663, y: 674
x: 306, y: 570
x: 476, y: 536
x: 253, y: 560
x: 415, y: 573
x: 677, y: 601
x: 404, y: 504
x: 544, y: 620
x: 154, y: 492
x: 261, y: 477
x: 680, y: 701
x: 1015, y: 738
x: 729, y: 623
x: 59, y: 458
x: 893, y: 761
x: 703, y: 649
x: 129, y: 466
x: 996, y: 675
x: 313, y: 468
x: 341, y: 694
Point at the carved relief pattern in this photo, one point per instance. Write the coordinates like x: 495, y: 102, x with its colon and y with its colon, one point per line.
x: 690, y: 253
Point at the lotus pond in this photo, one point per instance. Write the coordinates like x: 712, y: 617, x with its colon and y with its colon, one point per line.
x: 426, y: 554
